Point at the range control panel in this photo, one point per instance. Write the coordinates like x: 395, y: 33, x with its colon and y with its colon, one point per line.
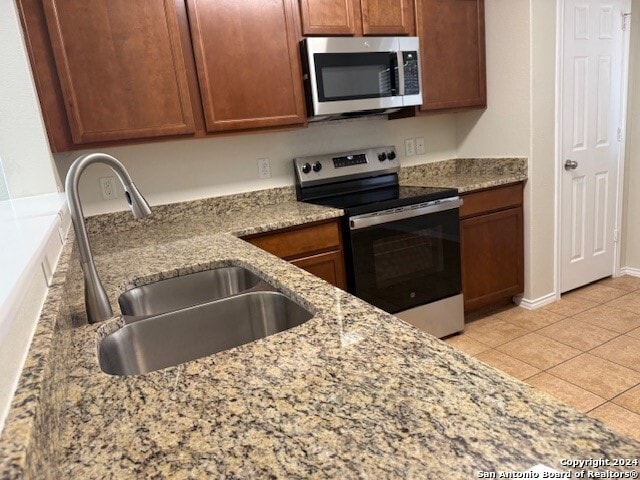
x: 349, y: 160
x: 330, y: 168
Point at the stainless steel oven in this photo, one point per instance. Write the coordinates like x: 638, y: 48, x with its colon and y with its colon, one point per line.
x: 402, y: 244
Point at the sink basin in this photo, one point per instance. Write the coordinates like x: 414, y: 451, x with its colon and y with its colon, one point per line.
x: 181, y: 292
x: 176, y: 337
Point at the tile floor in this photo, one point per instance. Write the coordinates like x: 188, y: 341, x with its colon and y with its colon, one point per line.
x: 583, y: 350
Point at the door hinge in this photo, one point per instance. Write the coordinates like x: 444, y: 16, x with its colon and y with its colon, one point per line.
x: 625, y: 16
x: 619, y: 134
x: 616, y: 236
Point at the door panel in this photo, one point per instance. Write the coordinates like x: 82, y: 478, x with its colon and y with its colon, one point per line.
x: 248, y: 63
x: 492, y: 257
x: 387, y: 17
x: 121, y: 68
x: 329, y: 266
x: 578, y: 204
x: 328, y: 17
x: 590, y: 118
x: 452, y: 49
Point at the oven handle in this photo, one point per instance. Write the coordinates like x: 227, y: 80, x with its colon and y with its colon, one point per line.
x: 371, y: 219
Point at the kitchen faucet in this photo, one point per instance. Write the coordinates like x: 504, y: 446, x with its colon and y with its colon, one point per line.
x: 96, y: 300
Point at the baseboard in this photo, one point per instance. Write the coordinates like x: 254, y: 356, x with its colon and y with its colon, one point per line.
x: 536, y: 302
x: 633, y: 272
x: 532, y: 304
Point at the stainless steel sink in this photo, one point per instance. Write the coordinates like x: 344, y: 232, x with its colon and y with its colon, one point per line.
x: 181, y: 292
x: 176, y: 337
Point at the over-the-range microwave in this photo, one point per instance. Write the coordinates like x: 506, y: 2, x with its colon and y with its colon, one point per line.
x: 348, y: 75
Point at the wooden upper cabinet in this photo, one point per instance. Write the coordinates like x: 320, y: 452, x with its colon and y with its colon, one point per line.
x: 120, y: 67
x: 248, y: 63
x: 387, y: 17
x: 452, y: 52
x: 328, y: 17
x: 357, y: 17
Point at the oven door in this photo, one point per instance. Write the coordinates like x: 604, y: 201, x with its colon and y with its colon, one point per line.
x: 403, y: 258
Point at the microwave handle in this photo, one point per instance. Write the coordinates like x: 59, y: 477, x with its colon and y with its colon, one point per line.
x: 400, y: 63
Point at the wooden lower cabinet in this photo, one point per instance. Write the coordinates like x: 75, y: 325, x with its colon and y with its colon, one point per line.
x: 315, y: 247
x: 329, y: 266
x: 492, y: 247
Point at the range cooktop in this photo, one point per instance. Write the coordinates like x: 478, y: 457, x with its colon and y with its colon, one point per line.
x: 360, y: 181
x: 356, y: 203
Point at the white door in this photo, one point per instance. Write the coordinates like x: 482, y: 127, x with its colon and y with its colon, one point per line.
x: 591, y: 103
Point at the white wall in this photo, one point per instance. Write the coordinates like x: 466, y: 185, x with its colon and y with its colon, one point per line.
x: 24, y: 146
x: 540, y: 190
x: 503, y: 128
x: 631, y: 220
x: 519, y: 120
x: 180, y: 170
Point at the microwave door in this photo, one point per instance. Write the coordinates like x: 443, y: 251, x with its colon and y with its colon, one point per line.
x: 349, y: 82
x: 399, y: 61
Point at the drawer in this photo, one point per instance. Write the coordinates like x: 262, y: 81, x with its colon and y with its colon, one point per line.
x: 494, y: 199
x: 299, y: 241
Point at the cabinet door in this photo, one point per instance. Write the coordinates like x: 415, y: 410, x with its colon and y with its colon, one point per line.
x: 328, y: 17
x: 387, y: 17
x: 329, y: 266
x: 452, y: 52
x: 248, y: 63
x: 492, y: 255
x: 120, y: 67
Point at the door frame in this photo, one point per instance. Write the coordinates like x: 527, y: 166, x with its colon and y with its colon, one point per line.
x: 624, y: 93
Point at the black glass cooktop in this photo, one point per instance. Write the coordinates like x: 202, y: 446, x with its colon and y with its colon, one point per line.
x: 384, y: 198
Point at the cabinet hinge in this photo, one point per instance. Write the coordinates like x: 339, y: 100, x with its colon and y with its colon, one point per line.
x: 619, y: 134
x: 625, y: 17
x: 616, y: 236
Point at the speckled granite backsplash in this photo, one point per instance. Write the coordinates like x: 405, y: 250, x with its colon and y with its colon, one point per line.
x: 352, y: 393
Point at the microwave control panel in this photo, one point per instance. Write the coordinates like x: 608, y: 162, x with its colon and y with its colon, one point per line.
x: 411, y: 74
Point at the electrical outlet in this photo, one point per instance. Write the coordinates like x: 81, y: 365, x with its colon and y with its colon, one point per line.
x: 264, y: 168
x: 409, y: 147
x: 420, y: 148
x: 108, y: 188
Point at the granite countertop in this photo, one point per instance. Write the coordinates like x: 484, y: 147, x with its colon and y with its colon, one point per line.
x: 466, y: 174
x: 352, y: 393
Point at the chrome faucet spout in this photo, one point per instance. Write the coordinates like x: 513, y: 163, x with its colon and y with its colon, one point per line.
x: 96, y: 300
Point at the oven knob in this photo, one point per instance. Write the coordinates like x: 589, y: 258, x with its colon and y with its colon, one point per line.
x: 317, y: 167
x: 382, y: 156
x: 391, y: 155
x: 306, y: 168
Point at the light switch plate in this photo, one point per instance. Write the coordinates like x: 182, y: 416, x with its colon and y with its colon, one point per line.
x: 420, y: 148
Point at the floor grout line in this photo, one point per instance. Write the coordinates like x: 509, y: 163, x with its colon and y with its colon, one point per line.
x: 503, y: 315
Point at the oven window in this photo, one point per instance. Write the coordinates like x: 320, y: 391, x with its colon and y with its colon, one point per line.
x: 352, y: 76
x: 406, y: 263
x: 406, y: 256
